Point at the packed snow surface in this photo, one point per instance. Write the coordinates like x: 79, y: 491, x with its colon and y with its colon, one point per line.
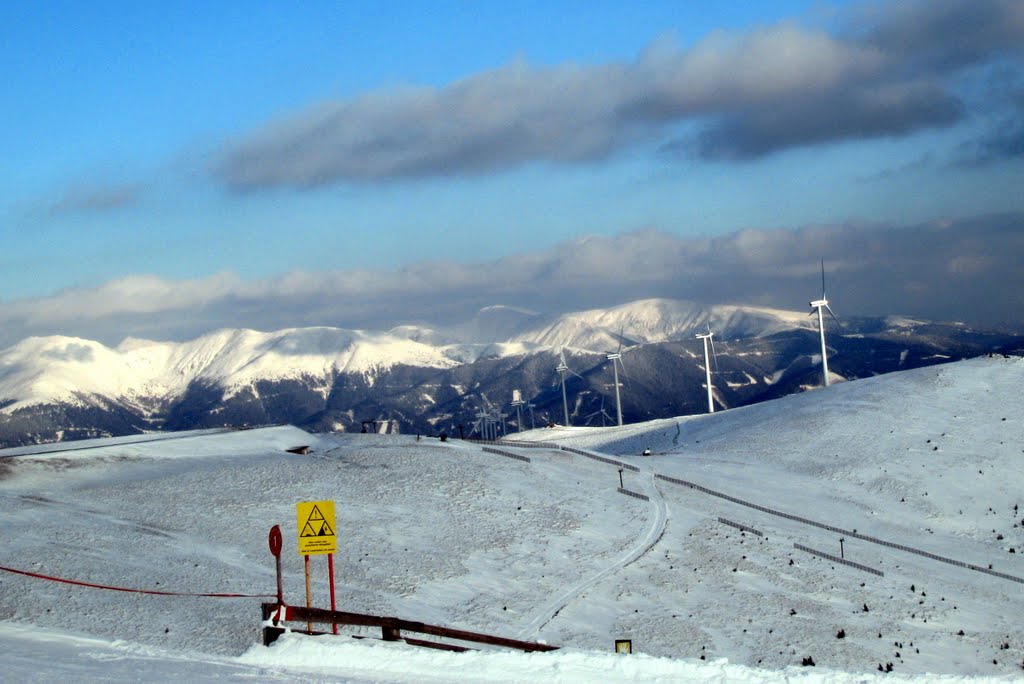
x: 548, y: 550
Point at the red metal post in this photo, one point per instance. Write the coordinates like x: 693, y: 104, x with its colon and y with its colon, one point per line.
x: 330, y: 573
x: 275, y: 548
x: 280, y: 583
x: 309, y: 592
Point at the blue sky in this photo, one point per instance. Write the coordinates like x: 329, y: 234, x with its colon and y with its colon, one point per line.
x: 168, y: 146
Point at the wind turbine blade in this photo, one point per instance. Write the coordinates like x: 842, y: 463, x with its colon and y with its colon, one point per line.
x: 565, y: 365
x: 823, y: 279
x: 829, y: 308
x: 714, y: 354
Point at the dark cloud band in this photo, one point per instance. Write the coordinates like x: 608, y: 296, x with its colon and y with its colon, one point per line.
x: 890, y: 73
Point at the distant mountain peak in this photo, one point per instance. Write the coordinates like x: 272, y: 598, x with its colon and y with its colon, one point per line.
x: 502, y: 308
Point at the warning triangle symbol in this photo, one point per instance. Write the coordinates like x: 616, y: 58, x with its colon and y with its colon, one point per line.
x: 316, y: 525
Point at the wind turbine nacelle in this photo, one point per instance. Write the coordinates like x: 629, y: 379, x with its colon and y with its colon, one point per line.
x: 819, y: 302
x: 704, y: 336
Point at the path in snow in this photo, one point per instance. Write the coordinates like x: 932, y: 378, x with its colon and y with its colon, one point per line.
x: 553, y: 607
x: 107, y: 442
x: 833, y: 528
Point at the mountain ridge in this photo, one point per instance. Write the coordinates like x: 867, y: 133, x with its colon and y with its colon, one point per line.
x: 430, y: 380
x: 235, y: 356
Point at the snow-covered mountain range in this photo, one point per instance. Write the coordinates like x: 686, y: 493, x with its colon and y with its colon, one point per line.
x: 57, y: 368
x: 430, y: 379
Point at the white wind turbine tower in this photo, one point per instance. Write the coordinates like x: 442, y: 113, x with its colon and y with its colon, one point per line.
x: 707, y: 364
x: 616, y: 359
x: 517, y: 402
x: 486, y: 422
x: 562, y: 369
x: 481, y: 423
x: 821, y: 305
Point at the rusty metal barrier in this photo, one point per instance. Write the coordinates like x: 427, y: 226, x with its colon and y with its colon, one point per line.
x: 602, y: 459
x: 635, y: 495
x: 275, y: 614
x: 506, y: 454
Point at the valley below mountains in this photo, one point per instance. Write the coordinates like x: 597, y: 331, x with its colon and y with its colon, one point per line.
x: 424, y: 380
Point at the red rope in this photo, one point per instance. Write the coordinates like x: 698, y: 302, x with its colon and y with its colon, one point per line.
x: 133, y: 591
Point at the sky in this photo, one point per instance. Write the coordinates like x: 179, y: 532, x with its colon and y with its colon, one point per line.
x: 175, y: 168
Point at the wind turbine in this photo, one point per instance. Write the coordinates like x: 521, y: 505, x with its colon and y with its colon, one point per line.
x: 821, y: 305
x: 707, y: 364
x: 517, y: 402
x: 562, y: 369
x: 481, y: 423
x: 616, y: 359
x: 604, y: 414
x: 487, y: 421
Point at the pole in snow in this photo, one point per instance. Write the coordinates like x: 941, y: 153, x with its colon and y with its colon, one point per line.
x: 276, y: 541
x: 330, y: 573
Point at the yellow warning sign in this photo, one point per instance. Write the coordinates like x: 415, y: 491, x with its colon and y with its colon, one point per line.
x: 316, y: 527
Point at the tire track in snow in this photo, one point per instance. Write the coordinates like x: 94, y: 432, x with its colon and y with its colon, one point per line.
x: 552, y: 608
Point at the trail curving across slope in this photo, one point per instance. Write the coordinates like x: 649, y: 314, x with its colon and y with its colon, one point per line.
x: 552, y: 608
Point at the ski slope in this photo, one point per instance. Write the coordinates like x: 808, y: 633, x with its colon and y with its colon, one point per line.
x: 446, y: 533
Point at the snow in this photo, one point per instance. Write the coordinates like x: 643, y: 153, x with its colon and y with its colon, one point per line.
x: 751, y: 380
x: 658, y: 320
x: 903, y: 322
x: 39, y: 370
x: 445, y: 533
x: 143, y: 373
x: 298, y: 658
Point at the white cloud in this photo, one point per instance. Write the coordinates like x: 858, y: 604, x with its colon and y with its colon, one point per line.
x: 966, y: 269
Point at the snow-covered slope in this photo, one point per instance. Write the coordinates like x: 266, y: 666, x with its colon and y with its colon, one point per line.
x: 658, y: 320
x: 142, y: 372
x: 62, y: 369
x: 449, y: 534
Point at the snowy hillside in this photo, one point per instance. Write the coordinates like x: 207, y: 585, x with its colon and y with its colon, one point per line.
x: 145, y: 374
x: 71, y: 370
x: 926, y: 461
x: 658, y: 320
